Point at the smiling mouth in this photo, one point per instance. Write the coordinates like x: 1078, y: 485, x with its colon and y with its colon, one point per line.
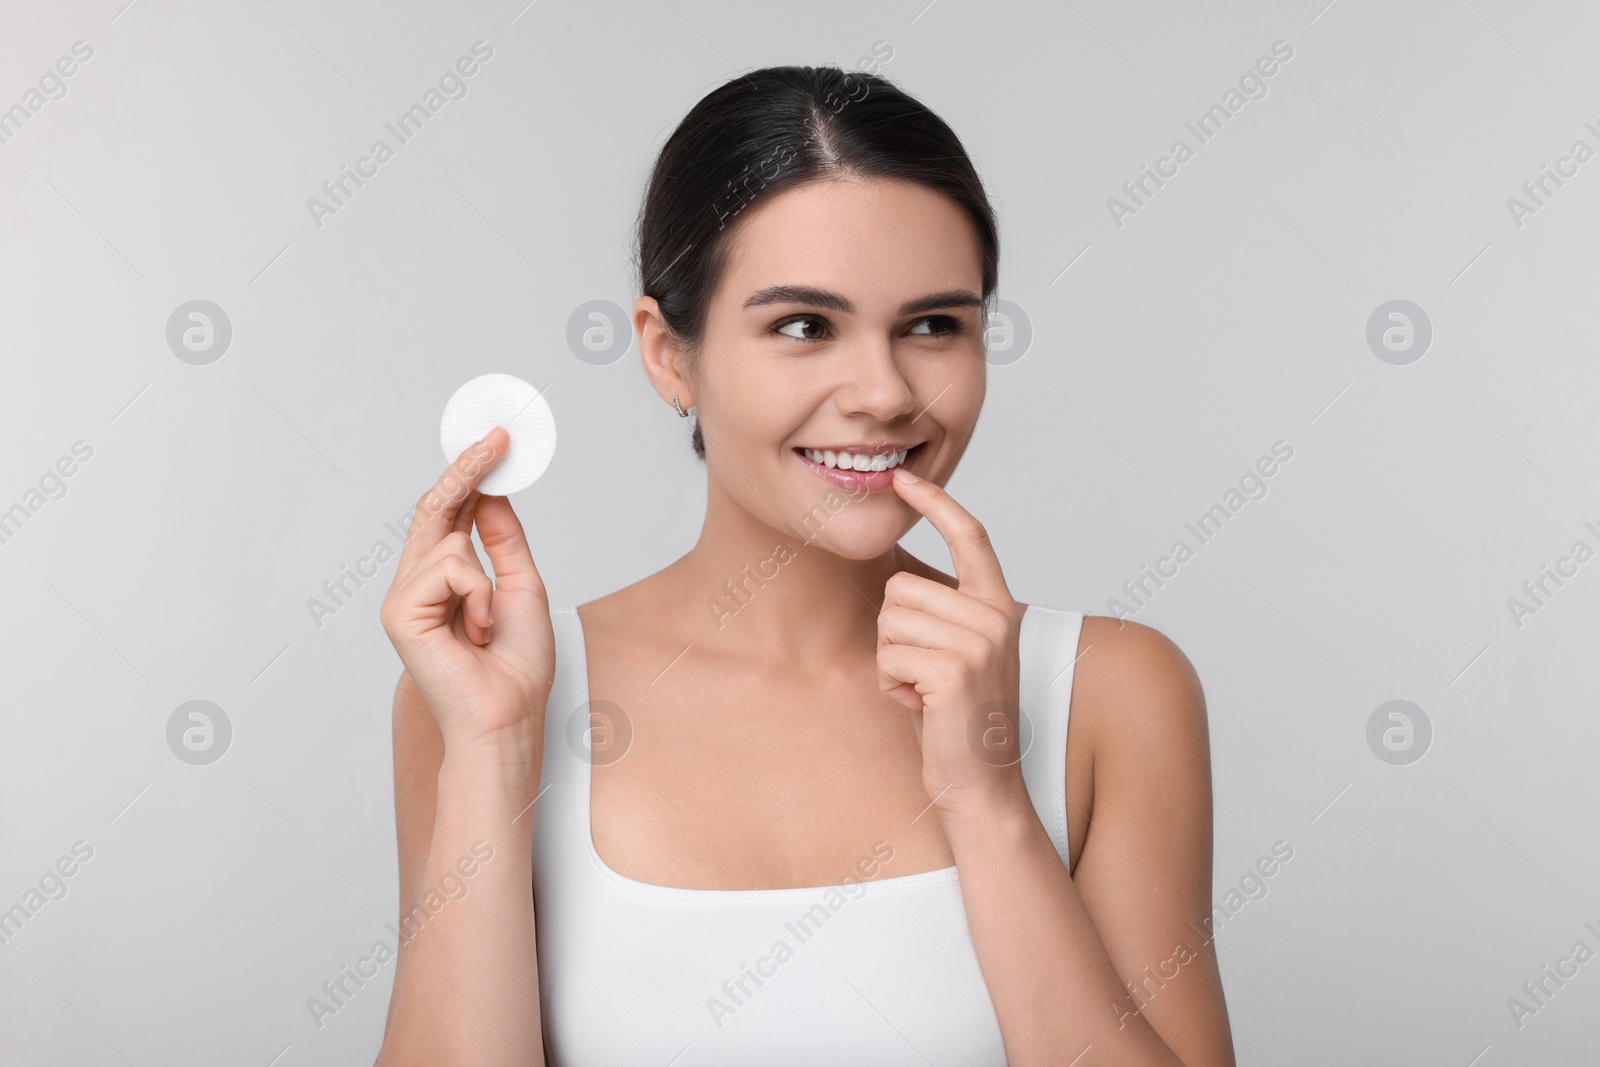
x: 860, y: 462
x: 853, y: 481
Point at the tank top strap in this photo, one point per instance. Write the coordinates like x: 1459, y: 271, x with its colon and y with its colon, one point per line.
x: 1047, y: 650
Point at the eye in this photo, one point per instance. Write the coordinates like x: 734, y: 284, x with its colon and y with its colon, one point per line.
x: 783, y: 327
x: 943, y: 326
x: 815, y: 327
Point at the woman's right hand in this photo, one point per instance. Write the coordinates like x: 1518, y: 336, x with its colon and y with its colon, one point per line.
x: 481, y: 652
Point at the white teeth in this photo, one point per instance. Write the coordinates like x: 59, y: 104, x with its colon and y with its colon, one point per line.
x: 849, y: 461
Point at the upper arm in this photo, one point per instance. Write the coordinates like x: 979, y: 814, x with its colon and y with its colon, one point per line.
x: 1145, y: 870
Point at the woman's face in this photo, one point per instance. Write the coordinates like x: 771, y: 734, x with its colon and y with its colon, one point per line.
x: 849, y: 314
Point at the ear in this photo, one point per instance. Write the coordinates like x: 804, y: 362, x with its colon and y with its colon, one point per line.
x: 663, y: 361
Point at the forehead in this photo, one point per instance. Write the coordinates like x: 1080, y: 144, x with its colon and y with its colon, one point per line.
x: 861, y: 237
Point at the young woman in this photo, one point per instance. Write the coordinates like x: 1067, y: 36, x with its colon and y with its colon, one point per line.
x: 799, y: 797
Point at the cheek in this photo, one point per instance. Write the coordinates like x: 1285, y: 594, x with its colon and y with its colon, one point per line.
x: 955, y: 387
x: 765, y: 405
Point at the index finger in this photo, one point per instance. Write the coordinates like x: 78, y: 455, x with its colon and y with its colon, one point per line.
x: 436, y: 512
x: 978, y: 572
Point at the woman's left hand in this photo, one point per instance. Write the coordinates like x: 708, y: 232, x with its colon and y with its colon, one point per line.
x: 952, y: 656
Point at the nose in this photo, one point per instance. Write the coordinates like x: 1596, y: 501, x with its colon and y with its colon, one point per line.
x: 873, y: 384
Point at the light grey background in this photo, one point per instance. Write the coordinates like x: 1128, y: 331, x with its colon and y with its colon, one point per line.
x: 1167, y: 355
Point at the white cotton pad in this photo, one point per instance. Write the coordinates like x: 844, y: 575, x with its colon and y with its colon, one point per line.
x: 500, y: 399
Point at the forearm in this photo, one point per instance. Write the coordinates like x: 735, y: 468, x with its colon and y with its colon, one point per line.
x: 467, y: 982
x: 1054, y: 988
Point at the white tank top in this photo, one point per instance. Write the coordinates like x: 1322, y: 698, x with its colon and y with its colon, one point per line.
x: 881, y: 971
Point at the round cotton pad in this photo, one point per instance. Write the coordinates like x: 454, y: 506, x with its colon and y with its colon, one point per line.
x: 500, y: 399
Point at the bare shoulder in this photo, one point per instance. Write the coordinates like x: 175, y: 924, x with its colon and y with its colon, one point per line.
x: 1137, y: 689
x: 1138, y: 716
x: 628, y: 627
x: 1145, y: 872
x: 611, y: 609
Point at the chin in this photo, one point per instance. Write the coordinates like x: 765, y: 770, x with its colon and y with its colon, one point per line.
x: 859, y: 544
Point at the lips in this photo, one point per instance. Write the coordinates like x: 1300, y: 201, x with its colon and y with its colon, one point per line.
x: 857, y: 482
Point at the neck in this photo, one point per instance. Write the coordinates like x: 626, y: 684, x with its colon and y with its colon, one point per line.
x: 758, y: 590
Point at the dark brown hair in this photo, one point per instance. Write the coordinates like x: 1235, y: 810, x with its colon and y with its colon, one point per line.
x: 769, y: 130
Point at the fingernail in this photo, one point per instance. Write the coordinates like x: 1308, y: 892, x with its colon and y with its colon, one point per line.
x: 903, y: 475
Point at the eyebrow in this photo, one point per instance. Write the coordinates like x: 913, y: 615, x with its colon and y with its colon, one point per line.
x: 806, y: 294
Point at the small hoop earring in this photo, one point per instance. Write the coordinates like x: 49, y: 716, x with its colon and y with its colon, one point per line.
x: 679, y: 408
